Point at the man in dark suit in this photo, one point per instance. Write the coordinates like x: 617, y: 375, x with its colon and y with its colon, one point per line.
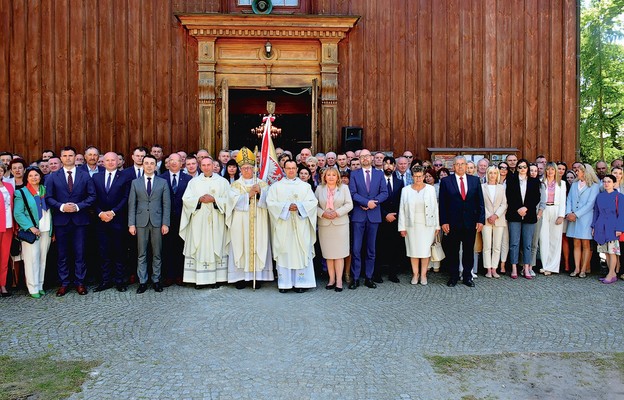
x: 70, y: 193
x: 462, y: 215
x: 368, y: 189
x: 390, y: 244
x: 149, y: 213
x: 157, y: 151
x: 111, y: 208
x: 173, y: 265
x: 133, y: 172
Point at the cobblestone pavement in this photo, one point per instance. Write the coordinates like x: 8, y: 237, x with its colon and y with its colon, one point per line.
x: 364, y: 344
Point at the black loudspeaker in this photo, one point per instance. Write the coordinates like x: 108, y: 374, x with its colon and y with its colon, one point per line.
x: 352, y: 138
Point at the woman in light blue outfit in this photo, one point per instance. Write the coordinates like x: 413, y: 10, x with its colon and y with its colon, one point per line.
x: 579, y: 213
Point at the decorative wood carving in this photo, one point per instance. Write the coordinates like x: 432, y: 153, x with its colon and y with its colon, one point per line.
x: 231, y: 48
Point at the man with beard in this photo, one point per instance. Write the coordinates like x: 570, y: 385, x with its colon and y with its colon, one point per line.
x: 390, y: 244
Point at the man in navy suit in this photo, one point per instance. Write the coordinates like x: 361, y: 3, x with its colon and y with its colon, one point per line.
x: 462, y: 215
x: 368, y: 189
x: 173, y: 259
x: 390, y: 244
x: 69, y: 194
x: 111, y: 189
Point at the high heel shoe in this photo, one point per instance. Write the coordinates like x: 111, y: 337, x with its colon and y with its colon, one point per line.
x: 528, y: 275
x: 338, y: 289
x: 330, y: 287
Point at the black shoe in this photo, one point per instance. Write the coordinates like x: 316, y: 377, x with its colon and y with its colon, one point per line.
x: 377, y: 279
x: 258, y: 285
x: 7, y: 294
x: 354, y: 284
x: 240, y: 285
x: 338, y: 289
x: 299, y: 290
x: 121, y: 288
x: 283, y: 290
x: 369, y: 284
x: 330, y: 287
x: 394, y: 278
x: 451, y: 283
x: 102, y: 287
x: 469, y: 283
x: 157, y: 287
x: 142, y: 288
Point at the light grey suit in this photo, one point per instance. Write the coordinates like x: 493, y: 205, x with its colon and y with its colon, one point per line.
x: 149, y: 214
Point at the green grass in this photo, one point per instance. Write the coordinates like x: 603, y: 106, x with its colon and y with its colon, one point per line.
x: 42, y: 377
x: 455, y: 364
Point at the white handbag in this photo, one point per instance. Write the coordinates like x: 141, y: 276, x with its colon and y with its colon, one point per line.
x: 437, y: 253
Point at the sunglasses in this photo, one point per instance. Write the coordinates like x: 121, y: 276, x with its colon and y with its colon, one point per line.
x: 523, y: 167
x: 437, y: 165
x: 502, y: 167
x: 408, y: 156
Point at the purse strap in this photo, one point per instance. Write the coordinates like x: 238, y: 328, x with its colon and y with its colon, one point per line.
x: 28, y: 207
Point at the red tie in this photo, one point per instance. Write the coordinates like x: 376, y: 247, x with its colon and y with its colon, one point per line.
x: 462, y: 188
x: 70, y: 181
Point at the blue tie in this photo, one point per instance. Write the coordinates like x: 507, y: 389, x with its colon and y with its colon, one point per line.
x: 149, y: 186
x: 174, y: 184
x: 108, y: 182
x: 389, y: 186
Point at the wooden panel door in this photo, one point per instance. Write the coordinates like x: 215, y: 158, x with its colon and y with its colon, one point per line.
x: 314, y: 131
x: 222, y: 139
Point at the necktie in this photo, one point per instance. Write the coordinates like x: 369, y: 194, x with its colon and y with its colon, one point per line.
x: 389, y: 185
x: 403, y: 178
x: 70, y: 181
x: 149, y: 186
x: 138, y: 173
x: 108, y: 182
x: 174, y: 184
x: 462, y: 188
x: 367, y: 180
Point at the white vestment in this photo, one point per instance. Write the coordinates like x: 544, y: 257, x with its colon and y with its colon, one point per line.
x: 238, y: 223
x: 203, y: 229
x: 293, y: 233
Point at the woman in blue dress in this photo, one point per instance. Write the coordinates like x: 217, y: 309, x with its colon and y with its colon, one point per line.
x: 579, y: 208
x: 608, y: 224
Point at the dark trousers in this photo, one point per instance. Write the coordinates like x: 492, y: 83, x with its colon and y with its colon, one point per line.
x: 71, y: 241
x: 451, y: 242
x: 111, y: 243
x: 390, y: 248
x: 173, y: 259
x: 363, y: 231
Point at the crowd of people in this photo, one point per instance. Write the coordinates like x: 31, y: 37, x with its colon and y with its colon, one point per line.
x: 356, y: 217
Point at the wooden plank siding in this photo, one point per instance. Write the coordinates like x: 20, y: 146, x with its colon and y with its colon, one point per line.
x: 413, y: 73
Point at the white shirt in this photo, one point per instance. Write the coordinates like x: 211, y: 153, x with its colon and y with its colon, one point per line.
x: 151, y: 178
x: 7, y: 206
x: 136, y: 171
x: 523, y: 186
x: 73, y: 173
x: 465, y: 182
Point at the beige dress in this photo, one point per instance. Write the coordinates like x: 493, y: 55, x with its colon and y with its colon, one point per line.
x: 334, y: 234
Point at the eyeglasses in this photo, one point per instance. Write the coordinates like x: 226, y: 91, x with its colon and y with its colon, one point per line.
x: 522, y: 167
x: 502, y: 167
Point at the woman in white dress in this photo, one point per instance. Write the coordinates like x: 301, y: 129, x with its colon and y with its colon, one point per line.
x: 418, y: 223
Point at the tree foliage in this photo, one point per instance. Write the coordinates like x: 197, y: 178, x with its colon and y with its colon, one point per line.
x: 602, y: 80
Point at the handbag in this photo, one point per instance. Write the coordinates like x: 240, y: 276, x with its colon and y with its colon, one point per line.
x: 16, y: 246
x: 26, y: 235
x: 437, y: 253
x: 478, y: 246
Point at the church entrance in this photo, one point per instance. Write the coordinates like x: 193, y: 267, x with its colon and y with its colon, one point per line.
x: 293, y: 115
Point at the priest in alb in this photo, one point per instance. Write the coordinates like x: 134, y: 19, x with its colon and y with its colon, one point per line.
x: 203, y: 229
x: 247, y: 220
x: 292, y: 210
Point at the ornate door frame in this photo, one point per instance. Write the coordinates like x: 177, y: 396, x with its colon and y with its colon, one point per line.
x: 231, y: 53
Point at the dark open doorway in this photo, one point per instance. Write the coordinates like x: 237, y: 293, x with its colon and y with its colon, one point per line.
x: 292, y: 114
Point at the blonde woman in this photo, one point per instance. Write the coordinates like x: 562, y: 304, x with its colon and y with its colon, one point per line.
x: 495, y: 202
x: 419, y: 222
x: 579, y: 213
x: 552, y: 213
x: 334, y: 204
